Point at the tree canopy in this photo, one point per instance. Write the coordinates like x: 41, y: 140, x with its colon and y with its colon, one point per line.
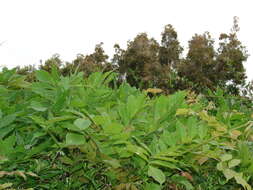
x: 147, y: 63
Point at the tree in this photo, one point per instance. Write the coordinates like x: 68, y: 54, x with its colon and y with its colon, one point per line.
x: 140, y: 62
x: 97, y: 61
x: 170, y: 57
x: 54, y: 61
x: 231, y: 56
x: 198, y: 65
x: 170, y: 49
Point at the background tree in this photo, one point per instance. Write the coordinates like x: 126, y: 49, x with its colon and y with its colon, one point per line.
x: 231, y: 56
x: 147, y: 64
x: 170, y: 49
x: 170, y: 52
x: 54, y: 61
x: 198, y: 65
x: 97, y: 61
x: 140, y: 62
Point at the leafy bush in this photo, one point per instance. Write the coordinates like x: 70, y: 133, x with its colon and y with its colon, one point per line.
x: 67, y: 132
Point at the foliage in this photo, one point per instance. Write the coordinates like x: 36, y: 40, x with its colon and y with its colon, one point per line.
x: 94, y: 62
x: 206, y: 67
x: 230, y: 59
x: 71, y: 132
x: 199, y: 63
x: 140, y: 62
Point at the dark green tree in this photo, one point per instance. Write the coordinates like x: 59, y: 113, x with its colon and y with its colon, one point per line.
x: 140, y: 62
x: 231, y: 56
x: 54, y: 61
x: 170, y: 53
x: 170, y: 49
x: 197, y: 67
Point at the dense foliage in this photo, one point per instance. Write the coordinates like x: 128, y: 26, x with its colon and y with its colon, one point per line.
x: 70, y: 132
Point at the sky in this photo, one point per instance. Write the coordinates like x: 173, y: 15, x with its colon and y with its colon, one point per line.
x: 34, y: 30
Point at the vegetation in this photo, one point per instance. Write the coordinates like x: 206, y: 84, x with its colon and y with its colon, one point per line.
x: 71, y: 132
x: 149, y: 119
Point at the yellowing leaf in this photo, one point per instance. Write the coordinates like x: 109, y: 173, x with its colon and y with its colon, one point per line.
x: 221, y: 128
x: 32, y: 174
x: 220, y: 166
x: 233, y: 163
x: 202, y: 160
x: 183, y: 111
x: 2, y: 173
x: 239, y: 179
x: 113, y: 162
x: 187, y: 175
x: 5, y: 185
x: 216, y: 134
x: 154, y: 90
x: 212, y: 121
x: 20, y: 173
x: 126, y: 186
x: 234, y: 134
x: 226, y: 157
x: 229, y: 174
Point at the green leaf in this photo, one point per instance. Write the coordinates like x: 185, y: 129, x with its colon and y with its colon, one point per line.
x: 7, y: 120
x: 55, y: 73
x: 58, y: 119
x: 202, y: 131
x: 156, y: 174
x: 43, y: 76
x: 67, y: 160
x: 141, y: 152
x: 182, y: 180
x: 152, y: 186
x: 229, y: 174
x: 75, y: 139
x: 60, y: 100
x: 164, y: 164
x: 134, y: 104
x: 113, y: 162
x: 142, y: 144
x: 233, y: 163
x: 226, y: 157
x: 7, y: 145
x: 221, y: 166
x: 38, y: 106
x: 71, y: 127
x: 40, y: 148
x: 113, y: 128
x: 82, y: 124
x: 6, y: 130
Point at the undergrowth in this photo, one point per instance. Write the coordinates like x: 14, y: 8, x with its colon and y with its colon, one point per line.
x: 75, y: 133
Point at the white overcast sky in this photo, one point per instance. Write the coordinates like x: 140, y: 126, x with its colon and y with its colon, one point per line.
x: 34, y: 30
